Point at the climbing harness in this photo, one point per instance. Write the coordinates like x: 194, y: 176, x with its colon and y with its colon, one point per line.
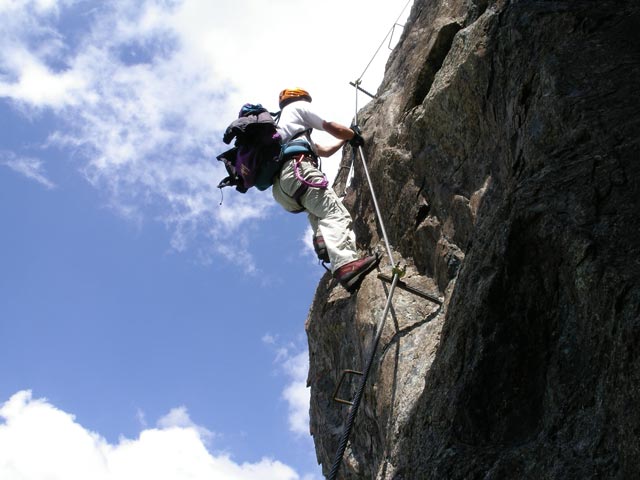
x: 297, y: 150
x: 395, y: 282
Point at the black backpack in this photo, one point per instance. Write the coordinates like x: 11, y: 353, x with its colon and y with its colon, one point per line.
x: 255, y: 158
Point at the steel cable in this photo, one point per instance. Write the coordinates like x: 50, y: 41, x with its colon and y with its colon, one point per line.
x: 353, y: 409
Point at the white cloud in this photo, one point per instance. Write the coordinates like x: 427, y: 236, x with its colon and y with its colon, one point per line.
x: 179, y: 418
x: 269, y: 339
x: 236, y: 253
x: 297, y: 394
x: 141, y: 417
x: 142, y: 91
x: 307, y: 244
x: 40, y: 6
x: 295, y: 365
x: 40, y: 442
x: 32, y: 168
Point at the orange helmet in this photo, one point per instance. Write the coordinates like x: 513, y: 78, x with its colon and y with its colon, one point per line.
x: 289, y: 95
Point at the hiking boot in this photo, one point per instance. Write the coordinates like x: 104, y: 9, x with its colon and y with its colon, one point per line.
x: 321, y: 249
x: 351, y: 275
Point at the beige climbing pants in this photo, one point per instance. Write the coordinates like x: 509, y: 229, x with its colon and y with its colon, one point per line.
x: 327, y: 215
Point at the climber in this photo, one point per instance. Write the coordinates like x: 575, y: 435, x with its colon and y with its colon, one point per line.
x: 301, y: 186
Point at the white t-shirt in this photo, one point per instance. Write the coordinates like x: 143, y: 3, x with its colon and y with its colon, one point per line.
x: 298, y: 117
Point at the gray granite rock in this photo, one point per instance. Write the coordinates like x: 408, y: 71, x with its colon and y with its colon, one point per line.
x: 504, y: 147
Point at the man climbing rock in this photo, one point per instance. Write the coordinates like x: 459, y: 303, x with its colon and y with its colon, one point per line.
x: 301, y: 186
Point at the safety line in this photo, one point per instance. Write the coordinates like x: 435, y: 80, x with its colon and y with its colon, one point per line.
x: 357, y: 83
x: 375, y: 204
x: 353, y: 409
x: 383, y: 40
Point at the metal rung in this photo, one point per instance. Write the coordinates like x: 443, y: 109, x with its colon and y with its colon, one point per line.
x: 357, y: 85
x: 393, y: 29
x: 335, y: 393
x: 415, y: 291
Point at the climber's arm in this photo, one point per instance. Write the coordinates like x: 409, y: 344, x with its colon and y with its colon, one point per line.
x: 327, y: 151
x: 338, y: 130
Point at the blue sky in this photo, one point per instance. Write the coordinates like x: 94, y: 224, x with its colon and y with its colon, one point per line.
x: 146, y: 330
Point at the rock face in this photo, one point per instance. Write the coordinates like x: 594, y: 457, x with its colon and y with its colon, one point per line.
x: 504, y: 148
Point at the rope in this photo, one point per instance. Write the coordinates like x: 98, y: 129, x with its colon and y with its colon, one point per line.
x: 322, y: 184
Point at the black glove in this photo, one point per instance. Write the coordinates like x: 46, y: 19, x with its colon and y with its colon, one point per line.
x: 357, y: 140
